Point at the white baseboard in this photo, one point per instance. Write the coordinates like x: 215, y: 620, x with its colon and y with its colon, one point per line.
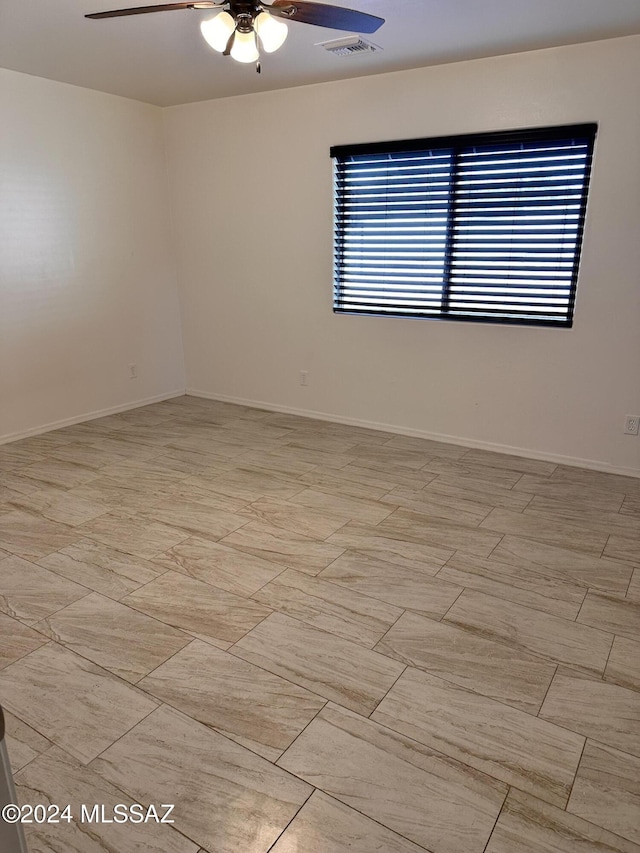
x: 90, y: 416
x: 591, y: 464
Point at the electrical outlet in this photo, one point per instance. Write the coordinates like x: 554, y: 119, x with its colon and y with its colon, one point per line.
x: 133, y: 371
x: 304, y: 377
x: 631, y: 424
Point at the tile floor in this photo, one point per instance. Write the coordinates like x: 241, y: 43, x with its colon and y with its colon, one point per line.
x: 314, y: 638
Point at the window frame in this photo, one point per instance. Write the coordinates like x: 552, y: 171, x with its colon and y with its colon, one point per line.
x: 586, y: 132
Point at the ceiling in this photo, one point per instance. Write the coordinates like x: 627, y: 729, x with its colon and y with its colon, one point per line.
x: 162, y: 58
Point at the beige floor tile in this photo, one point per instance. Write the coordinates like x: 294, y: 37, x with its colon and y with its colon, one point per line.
x: 564, y: 564
x: 596, y: 479
x: 195, y: 519
x: 71, y: 701
x: 564, y: 534
x: 54, y: 472
x: 475, y: 489
x: 16, y: 639
x: 324, y: 824
x: 198, y: 489
x: 252, y: 707
x: 597, y: 709
x: 582, y: 513
x: 312, y: 457
x: 337, y: 669
x: 473, y: 472
x: 356, y: 509
x: 29, y: 592
x: 227, y: 799
x: 511, y: 463
x: 133, y: 535
x: 631, y: 505
x: 15, y: 483
x: 555, y: 639
x: 426, y: 446
x: 623, y: 548
x: 23, y: 743
x: 86, y: 455
x: 611, y: 614
x: 102, y: 630
x: 251, y: 484
x: 375, y: 454
x: 114, y: 441
x: 386, y: 476
x: 101, y: 568
x: 60, y: 505
x: 284, y: 547
x: 121, y: 495
x: 266, y: 461
x: 623, y: 666
x: 192, y: 462
x: 416, y: 527
x: 452, y: 508
x: 607, y: 790
x: 510, y: 745
x: 206, y: 612
x: 31, y: 536
x: 340, y: 483
x: 363, y: 435
x: 327, y: 606
x: 369, y: 541
x: 404, y: 587
x: 633, y: 591
x: 528, y: 825
x: 147, y: 473
x: 426, y: 797
x: 593, y: 498
x: 400, y: 475
x: 521, y: 585
x: 219, y: 565
x: 501, y: 672
x: 317, y: 524
x: 16, y: 455
x: 56, y: 777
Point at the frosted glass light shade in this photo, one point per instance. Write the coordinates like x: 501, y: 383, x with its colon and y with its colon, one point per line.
x: 272, y: 32
x: 245, y: 48
x: 217, y: 31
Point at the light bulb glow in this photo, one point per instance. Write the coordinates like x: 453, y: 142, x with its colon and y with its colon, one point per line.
x: 244, y: 47
x: 271, y: 31
x: 217, y: 31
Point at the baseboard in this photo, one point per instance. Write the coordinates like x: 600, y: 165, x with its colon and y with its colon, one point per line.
x: 462, y: 441
x: 90, y: 416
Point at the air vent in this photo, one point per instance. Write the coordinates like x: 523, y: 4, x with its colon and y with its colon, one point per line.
x: 347, y: 46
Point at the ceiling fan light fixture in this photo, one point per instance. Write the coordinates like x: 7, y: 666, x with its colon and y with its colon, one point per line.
x: 218, y: 30
x: 244, y: 47
x: 272, y: 32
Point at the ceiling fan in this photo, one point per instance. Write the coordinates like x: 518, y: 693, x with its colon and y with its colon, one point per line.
x: 239, y: 24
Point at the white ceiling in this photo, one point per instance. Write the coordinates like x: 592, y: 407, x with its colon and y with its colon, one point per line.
x: 162, y: 58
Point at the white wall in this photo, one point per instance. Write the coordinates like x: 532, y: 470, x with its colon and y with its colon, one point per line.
x: 87, y: 279
x: 252, y: 202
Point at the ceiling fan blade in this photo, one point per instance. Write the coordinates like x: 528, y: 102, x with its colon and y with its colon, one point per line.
x: 165, y: 7
x: 323, y: 15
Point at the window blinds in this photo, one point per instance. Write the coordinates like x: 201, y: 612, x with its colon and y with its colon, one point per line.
x: 486, y: 227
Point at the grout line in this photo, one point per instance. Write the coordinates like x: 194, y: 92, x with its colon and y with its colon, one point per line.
x: 379, y: 701
x: 544, y: 698
x: 286, y: 827
x: 575, y: 775
x: 502, y: 808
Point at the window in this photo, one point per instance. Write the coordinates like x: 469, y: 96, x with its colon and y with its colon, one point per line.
x: 484, y: 228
